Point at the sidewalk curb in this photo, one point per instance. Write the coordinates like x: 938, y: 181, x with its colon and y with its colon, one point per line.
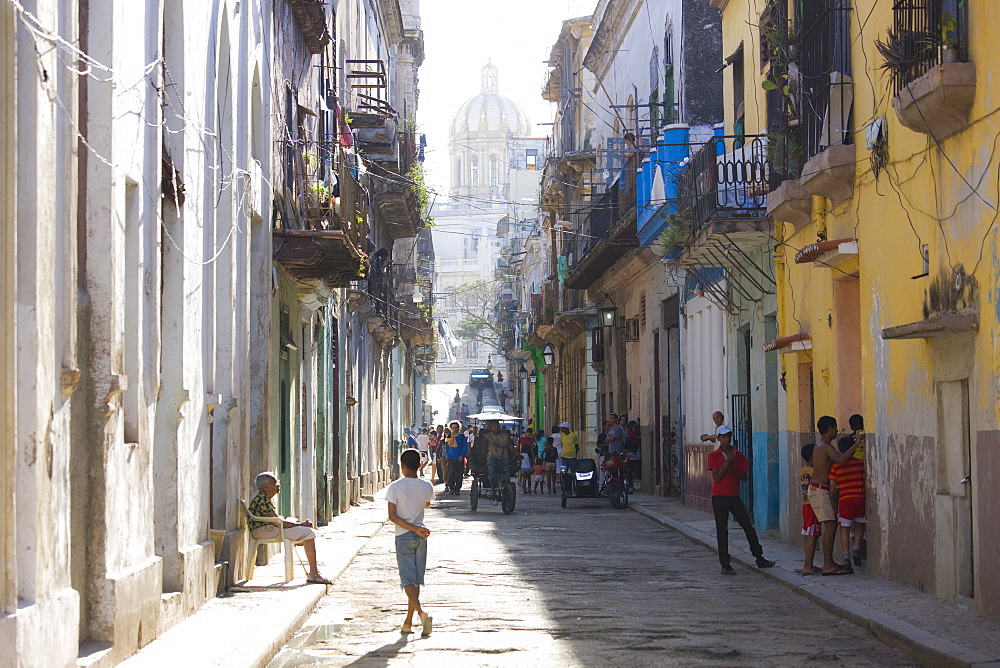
x: 922, y: 646
x: 264, y: 644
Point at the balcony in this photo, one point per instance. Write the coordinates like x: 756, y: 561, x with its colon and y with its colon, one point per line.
x: 312, y: 240
x: 926, y: 52
x: 319, y: 256
x: 397, y: 206
x: 724, y: 195
x: 310, y: 16
x: 608, y: 231
x: 415, y: 326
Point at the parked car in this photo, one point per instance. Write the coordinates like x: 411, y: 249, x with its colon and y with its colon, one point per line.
x: 480, y: 378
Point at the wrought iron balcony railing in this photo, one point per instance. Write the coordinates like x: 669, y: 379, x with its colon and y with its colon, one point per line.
x: 925, y: 33
x: 729, y: 177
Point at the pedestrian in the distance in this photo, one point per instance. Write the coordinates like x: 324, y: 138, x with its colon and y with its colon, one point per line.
x: 423, y: 443
x: 550, y: 457
x: 408, y: 497
x: 729, y: 468
x: 539, y: 475
x: 524, y: 477
x: 570, y: 451
x: 456, y: 448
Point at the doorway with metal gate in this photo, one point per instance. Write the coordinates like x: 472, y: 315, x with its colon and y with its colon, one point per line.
x: 741, y: 419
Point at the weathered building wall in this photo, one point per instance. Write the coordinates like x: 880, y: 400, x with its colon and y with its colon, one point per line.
x: 927, y: 247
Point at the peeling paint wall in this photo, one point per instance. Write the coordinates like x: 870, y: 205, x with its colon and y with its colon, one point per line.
x: 927, y: 247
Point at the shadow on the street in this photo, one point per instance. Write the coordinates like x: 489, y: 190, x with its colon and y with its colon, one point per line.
x: 381, y: 655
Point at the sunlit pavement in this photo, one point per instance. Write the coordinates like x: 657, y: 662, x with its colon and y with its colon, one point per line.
x: 581, y: 586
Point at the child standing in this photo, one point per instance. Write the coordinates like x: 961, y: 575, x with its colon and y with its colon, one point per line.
x: 408, y: 497
x: 524, y: 477
x: 539, y: 475
x: 811, y: 528
x: 849, y: 479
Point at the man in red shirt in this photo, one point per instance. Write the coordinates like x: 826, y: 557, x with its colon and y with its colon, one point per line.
x: 729, y: 468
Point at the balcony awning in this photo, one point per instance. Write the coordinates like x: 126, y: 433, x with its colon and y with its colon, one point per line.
x: 789, y: 344
x: 939, y: 325
x: 828, y: 253
x: 318, y: 255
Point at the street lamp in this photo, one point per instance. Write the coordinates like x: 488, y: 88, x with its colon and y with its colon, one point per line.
x: 533, y: 377
x: 549, y: 355
x: 522, y: 373
x: 608, y: 311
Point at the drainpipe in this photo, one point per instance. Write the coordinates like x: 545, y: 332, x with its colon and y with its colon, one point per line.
x: 819, y: 215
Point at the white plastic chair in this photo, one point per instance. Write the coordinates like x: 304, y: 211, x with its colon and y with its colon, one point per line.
x: 287, y: 545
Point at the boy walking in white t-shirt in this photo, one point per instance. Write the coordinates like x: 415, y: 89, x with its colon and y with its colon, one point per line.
x: 408, y: 497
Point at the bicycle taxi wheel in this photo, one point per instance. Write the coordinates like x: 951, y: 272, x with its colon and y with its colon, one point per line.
x: 509, y: 498
x: 474, y: 495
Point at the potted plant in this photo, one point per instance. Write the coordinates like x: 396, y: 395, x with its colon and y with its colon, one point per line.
x: 903, y: 50
x: 785, y: 153
x: 949, y: 39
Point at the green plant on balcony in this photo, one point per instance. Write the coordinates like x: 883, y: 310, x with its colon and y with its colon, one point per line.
x: 782, y: 42
x: 677, y: 232
x: 785, y: 153
x: 415, y: 176
x: 322, y: 193
x: 903, y: 50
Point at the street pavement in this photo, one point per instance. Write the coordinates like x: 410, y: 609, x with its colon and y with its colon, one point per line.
x: 582, y: 586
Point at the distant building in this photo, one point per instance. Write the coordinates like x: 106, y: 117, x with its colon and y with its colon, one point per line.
x: 495, y: 172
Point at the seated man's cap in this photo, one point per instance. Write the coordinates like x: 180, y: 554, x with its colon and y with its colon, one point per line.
x: 565, y: 424
x: 724, y: 429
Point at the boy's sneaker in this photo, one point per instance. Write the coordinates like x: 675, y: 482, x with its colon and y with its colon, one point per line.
x: 728, y: 570
x: 857, y: 557
x: 764, y: 563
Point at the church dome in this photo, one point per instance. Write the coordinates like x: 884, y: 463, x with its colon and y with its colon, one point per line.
x: 489, y: 111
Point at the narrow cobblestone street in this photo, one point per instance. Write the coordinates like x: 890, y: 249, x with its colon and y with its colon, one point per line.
x: 587, y: 585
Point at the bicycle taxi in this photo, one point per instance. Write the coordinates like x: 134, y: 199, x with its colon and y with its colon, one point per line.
x: 498, y: 491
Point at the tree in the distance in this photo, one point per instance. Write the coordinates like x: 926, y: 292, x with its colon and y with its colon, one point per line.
x: 475, y: 303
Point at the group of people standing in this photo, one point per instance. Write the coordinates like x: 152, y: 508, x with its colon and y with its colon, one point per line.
x: 833, y: 495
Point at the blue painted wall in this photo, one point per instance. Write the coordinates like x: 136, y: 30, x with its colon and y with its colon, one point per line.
x: 767, y: 487
x: 672, y: 149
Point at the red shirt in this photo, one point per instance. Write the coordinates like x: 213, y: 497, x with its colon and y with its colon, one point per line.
x: 526, y: 440
x: 730, y: 484
x: 850, y: 478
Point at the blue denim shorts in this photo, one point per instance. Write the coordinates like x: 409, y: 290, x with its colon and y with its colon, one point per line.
x: 411, y: 557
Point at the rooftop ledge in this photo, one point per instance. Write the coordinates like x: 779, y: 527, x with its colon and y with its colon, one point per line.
x: 939, y: 325
x: 789, y: 344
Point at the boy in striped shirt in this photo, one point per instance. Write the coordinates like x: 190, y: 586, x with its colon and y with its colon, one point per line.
x: 849, y: 479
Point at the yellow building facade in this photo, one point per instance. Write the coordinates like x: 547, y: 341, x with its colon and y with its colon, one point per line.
x: 885, y: 186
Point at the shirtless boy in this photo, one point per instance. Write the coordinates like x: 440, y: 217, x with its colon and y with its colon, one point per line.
x: 825, y: 454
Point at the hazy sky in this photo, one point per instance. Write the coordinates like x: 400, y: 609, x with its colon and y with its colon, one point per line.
x: 459, y: 37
